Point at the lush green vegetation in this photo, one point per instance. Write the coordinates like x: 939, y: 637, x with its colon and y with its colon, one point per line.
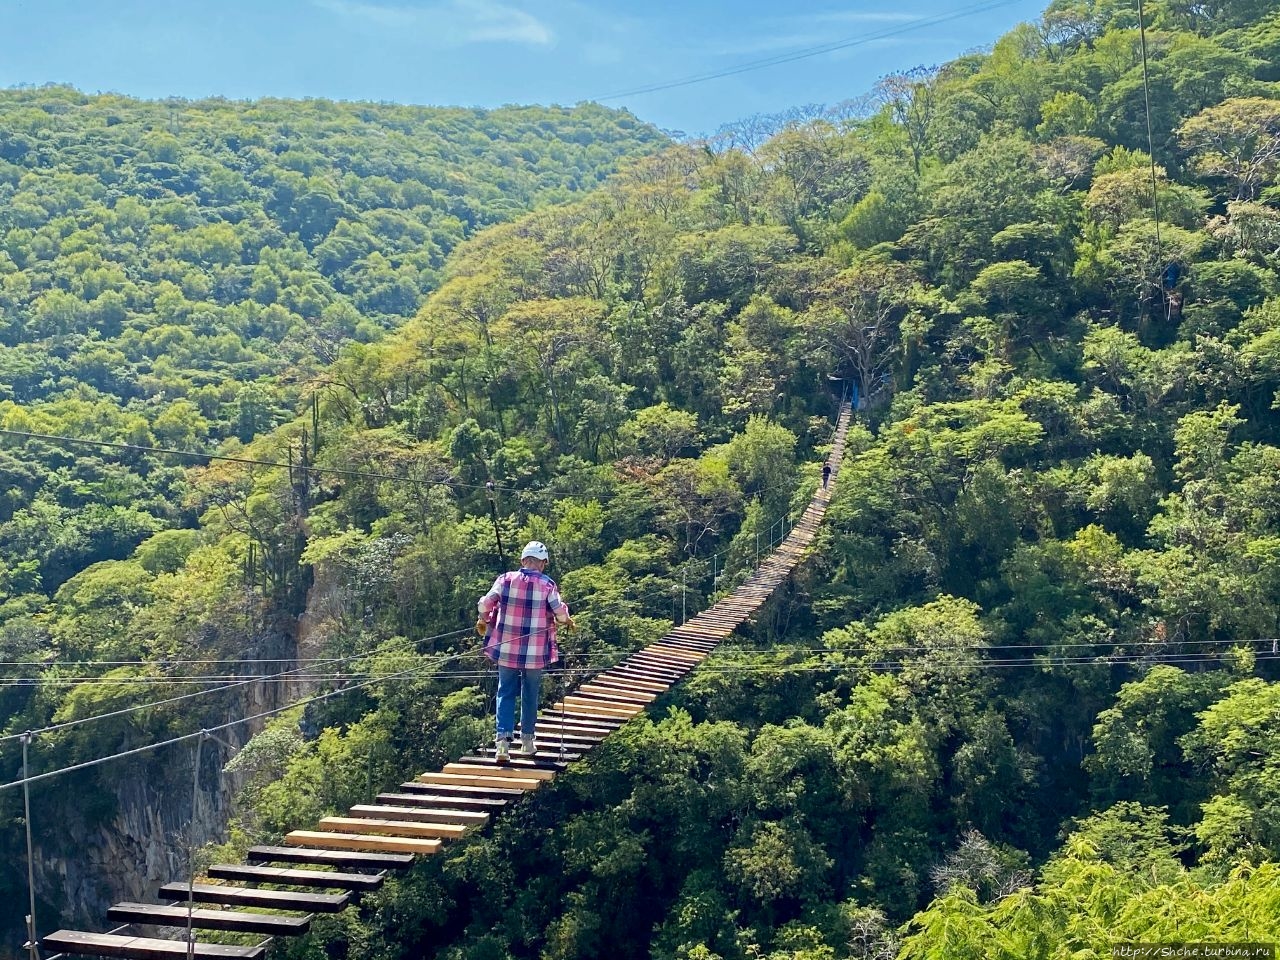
x: 1020, y: 703
x: 171, y: 273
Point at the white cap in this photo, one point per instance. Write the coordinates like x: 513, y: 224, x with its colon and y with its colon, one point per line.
x: 534, y: 548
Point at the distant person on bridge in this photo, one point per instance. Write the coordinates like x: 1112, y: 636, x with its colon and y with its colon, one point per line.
x: 826, y: 474
x: 518, y: 618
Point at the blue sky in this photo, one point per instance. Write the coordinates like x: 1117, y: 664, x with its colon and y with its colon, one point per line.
x: 489, y: 52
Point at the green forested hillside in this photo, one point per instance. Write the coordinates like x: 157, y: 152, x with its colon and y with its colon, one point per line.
x: 1022, y: 702
x: 170, y: 272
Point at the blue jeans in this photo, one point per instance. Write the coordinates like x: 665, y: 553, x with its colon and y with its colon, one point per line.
x: 513, y: 682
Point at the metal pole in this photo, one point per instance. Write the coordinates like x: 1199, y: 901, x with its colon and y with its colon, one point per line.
x: 683, y: 615
x: 191, y: 849
x: 32, y: 943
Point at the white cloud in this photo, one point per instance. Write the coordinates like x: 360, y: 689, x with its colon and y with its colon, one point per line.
x: 452, y: 23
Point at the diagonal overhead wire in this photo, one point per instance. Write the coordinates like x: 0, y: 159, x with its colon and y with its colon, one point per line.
x: 808, y: 52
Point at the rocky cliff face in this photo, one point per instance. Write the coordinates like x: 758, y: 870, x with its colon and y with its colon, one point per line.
x: 121, y: 830
x: 143, y: 845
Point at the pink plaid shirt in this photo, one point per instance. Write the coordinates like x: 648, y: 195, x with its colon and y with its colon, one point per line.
x: 522, y: 607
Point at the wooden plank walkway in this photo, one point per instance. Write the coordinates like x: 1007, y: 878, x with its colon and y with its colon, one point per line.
x: 439, y: 806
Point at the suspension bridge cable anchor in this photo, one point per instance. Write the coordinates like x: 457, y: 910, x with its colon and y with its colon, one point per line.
x: 33, y: 942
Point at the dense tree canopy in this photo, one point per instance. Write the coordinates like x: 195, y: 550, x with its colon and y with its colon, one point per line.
x: 1020, y: 701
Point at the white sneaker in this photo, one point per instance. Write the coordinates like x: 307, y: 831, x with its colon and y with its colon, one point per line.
x: 528, y: 747
x: 503, y: 750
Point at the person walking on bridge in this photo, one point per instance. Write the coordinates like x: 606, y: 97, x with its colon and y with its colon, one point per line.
x: 518, y: 618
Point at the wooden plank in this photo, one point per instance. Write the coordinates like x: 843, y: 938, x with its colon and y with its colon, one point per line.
x: 332, y: 858
x: 469, y: 780
x: 395, y: 828
x: 551, y: 765
x: 460, y: 791
x: 615, y: 689
x: 296, y: 878
x: 619, y: 694
x: 356, y: 841
x: 609, y: 687
x: 235, y: 921
x: 603, y: 726
x: 550, y: 736
x: 700, y: 644
x: 637, y: 682
x: 625, y: 710
x: 598, y: 708
x: 140, y: 948
x: 549, y: 752
x: 577, y: 723
x: 581, y: 711
x: 698, y: 647
x: 423, y: 814
x: 658, y: 661
x: 674, y: 650
x: 662, y: 669
x: 657, y: 680
x: 252, y: 897
x: 675, y: 653
x: 548, y: 756
x: 441, y: 801
x: 507, y: 771
x: 584, y: 712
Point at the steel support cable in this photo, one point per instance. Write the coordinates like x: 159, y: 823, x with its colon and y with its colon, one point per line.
x: 310, y: 663
x: 316, y: 698
x: 191, y: 846
x: 970, y: 663
x: 926, y: 649
x: 967, y: 662
x: 164, y: 661
x: 224, y: 681
x: 33, y: 941
x: 810, y: 51
x: 974, y: 664
x: 417, y: 668
x: 291, y: 675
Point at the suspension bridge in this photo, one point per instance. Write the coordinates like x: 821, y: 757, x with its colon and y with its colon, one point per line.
x: 327, y: 868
